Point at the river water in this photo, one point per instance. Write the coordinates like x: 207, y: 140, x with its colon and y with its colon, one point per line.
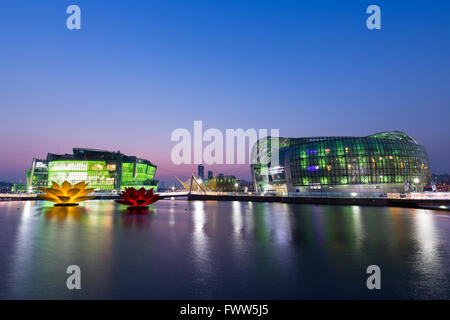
x: 222, y: 250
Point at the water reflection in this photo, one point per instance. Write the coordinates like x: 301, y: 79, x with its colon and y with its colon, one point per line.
x: 196, y: 250
x: 260, y: 220
x: 137, y: 220
x: 62, y: 213
x: 426, y: 237
x: 199, y: 238
x: 236, y: 219
x: 428, y: 264
x: 22, y: 250
x: 357, y: 226
x: 283, y: 220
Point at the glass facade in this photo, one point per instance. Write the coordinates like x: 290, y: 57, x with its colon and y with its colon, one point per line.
x: 137, y: 175
x: 103, y: 170
x: 385, y: 158
x: 95, y: 173
x: 37, y: 176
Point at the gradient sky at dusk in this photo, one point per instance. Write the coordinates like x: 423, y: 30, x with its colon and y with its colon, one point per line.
x: 140, y: 69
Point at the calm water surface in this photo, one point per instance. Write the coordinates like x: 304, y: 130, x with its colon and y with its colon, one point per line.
x: 222, y: 250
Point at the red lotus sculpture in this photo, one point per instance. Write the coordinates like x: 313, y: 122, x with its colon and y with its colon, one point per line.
x: 137, y: 199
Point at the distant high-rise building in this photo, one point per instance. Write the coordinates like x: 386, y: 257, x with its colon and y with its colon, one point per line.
x: 201, y: 172
x: 210, y: 175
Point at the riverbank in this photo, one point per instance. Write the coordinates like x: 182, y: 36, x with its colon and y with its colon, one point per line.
x: 435, y: 204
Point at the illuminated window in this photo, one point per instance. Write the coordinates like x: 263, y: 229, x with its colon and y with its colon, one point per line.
x: 111, y: 167
x: 96, y: 166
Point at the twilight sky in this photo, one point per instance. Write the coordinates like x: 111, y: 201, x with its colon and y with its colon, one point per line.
x: 137, y: 70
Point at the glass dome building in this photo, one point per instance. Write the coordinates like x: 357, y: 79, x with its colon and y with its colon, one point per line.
x: 378, y: 164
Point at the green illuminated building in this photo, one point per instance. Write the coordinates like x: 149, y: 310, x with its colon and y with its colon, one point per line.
x: 378, y: 164
x: 102, y: 170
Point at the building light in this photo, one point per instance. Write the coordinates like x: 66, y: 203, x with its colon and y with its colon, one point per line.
x: 97, y: 166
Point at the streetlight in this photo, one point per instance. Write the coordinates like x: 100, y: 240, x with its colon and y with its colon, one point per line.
x: 236, y: 186
x: 173, y: 188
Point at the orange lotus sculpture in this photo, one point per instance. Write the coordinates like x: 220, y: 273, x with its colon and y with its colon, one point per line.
x: 66, y: 194
x: 137, y: 199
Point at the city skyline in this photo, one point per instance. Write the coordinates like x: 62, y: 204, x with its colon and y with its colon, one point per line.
x: 125, y: 81
x: 245, y: 157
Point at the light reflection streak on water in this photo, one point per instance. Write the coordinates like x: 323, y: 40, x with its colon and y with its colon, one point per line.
x: 199, y: 239
x: 104, y: 220
x: 249, y: 221
x: 318, y: 223
x: 239, y: 230
x: 172, y: 213
x: 426, y: 238
x: 428, y: 265
x: 98, y: 243
x: 282, y: 223
x: 357, y: 226
x: 236, y: 219
x: 280, y: 231
x: 23, y: 247
x: 95, y: 243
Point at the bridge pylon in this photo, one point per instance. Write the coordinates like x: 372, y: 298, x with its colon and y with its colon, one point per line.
x: 192, y: 182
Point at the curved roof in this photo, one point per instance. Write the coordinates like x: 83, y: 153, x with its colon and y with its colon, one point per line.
x: 260, y: 150
x: 394, y: 135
